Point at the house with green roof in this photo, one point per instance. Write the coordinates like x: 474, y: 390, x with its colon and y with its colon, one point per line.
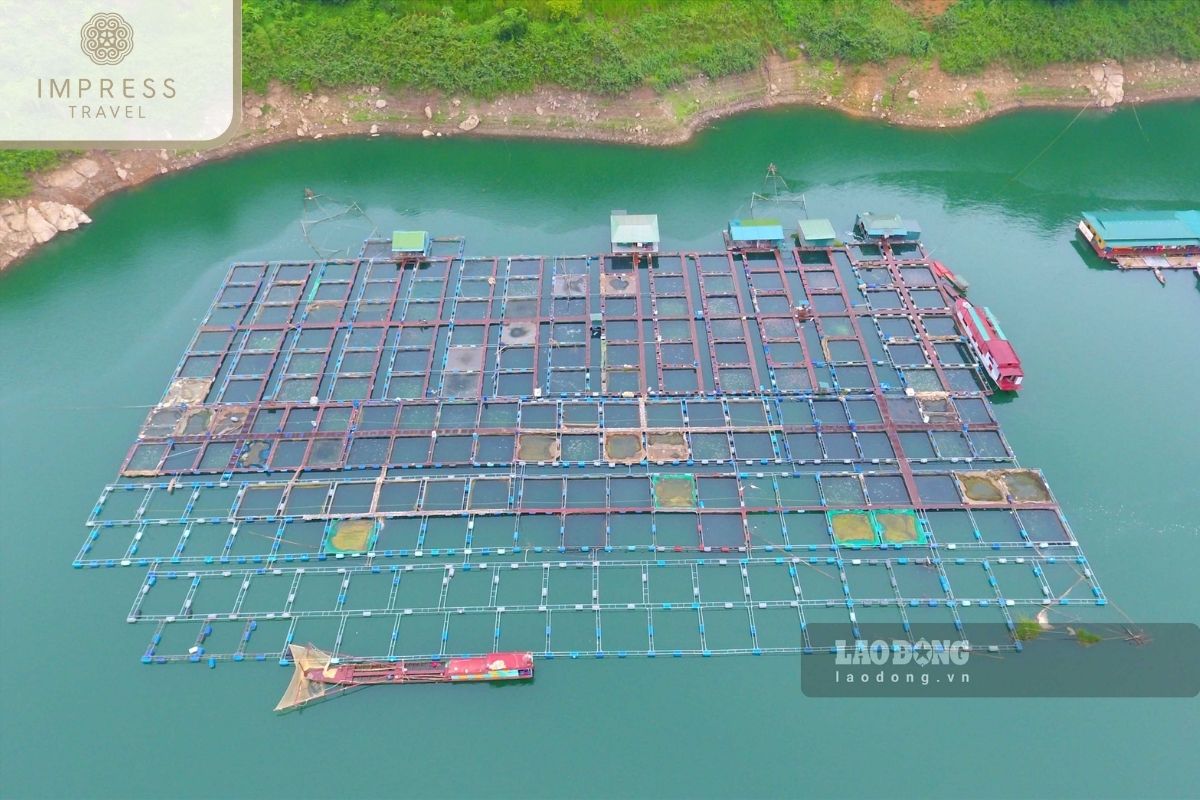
x: 410, y: 243
x: 633, y: 233
x: 816, y: 233
x: 750, y: 233
x: 1142, y: 230
x: 878, y: 227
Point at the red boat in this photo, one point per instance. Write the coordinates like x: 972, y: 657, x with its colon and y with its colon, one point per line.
x: 957, y: 281
x: 493, y: 667
x: 989, y: 344
x: 317, y: 676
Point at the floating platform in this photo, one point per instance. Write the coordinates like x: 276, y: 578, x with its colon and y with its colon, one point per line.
x: 745, y: 451
x: 1152, y: 240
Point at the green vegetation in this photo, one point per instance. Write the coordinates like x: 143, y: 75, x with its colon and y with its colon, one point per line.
x: 487, y: 47
x: 1030, y: 92
x: 610, y: 46
x: 1033, y: 33
x: 1028, y: 630
x: 603, y: 46
x: 1086, y: 637
x: 15, y: 166
x: 981, y: 100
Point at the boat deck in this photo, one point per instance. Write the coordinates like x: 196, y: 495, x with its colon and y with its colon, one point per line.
x: 445, y: 457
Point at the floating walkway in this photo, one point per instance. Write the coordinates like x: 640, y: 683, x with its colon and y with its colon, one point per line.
x: 425, y: 456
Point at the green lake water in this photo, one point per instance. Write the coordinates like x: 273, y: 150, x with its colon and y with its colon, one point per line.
x: 91, y: 327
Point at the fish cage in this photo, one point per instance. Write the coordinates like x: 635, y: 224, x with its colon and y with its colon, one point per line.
x: 712, y: 453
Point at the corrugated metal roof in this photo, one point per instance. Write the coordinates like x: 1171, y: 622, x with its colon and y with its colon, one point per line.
x: 633, y: 228
x: 1145, y: 228
x: 817, y: 230
x: 755, y: 230
x: 887, y: 225
x: 409, y: 241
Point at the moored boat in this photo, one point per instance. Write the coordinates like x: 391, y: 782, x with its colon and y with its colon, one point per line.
x: 319, y: 676
x: 990, y: 345
x: 957, y: 281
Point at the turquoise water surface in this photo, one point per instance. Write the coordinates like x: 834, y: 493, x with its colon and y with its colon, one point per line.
x: 93, y: 324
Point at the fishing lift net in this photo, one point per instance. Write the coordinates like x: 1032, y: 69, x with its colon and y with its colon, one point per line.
x: 301, y: 691
x: 334, y: 228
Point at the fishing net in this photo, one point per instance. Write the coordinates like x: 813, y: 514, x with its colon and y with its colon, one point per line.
x: 334, y: 228
x: 301, y: 691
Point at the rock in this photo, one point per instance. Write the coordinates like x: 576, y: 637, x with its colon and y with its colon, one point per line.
x: 774, y: 89
x: 301, y: 131
x: 456, y: 102
x: 381, y: 103
x: 37, y: 224
x: 539, y: 110
x: 374, y: 129
x: 469, y: 124
x: 14, y: 218
x: 122, y: 173
x: 914, y: 95
x: 323, y: 98
x: 86, y: 167
x: 63, y: 216
x: 63, y: 178
x: 428, y: 112
x: 427, y: 133
x: 254, y: 111
x: 345, y: 119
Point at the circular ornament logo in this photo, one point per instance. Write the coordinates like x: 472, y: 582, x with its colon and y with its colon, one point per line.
x: 106, y: 38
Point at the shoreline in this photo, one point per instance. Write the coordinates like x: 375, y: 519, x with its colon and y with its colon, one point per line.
x: 903, y: 93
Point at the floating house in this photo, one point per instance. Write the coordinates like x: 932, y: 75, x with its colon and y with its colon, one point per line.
x: 1144, y: 239
x: 633, y: 233
x: 816, y: 233
x: 754, y: 233
x: 880, y: 227
x: 410, y: 243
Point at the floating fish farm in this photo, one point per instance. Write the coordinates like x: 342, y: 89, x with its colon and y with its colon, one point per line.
x: 415, y: 454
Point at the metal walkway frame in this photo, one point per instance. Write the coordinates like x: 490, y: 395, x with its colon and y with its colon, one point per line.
x: 691, y: 454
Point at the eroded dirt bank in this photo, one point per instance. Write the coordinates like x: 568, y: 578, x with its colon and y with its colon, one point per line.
x: 900, y: 93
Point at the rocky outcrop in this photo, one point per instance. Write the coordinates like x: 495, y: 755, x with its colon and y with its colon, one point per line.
x: 1108, y: 84
x: 27, y: 223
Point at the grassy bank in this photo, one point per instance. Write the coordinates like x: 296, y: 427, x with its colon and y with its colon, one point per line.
x: 609, y: 46
x: 17, y: 165
x: 484, y: 48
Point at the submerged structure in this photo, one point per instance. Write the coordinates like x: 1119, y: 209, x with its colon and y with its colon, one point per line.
x: 404, y: 458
